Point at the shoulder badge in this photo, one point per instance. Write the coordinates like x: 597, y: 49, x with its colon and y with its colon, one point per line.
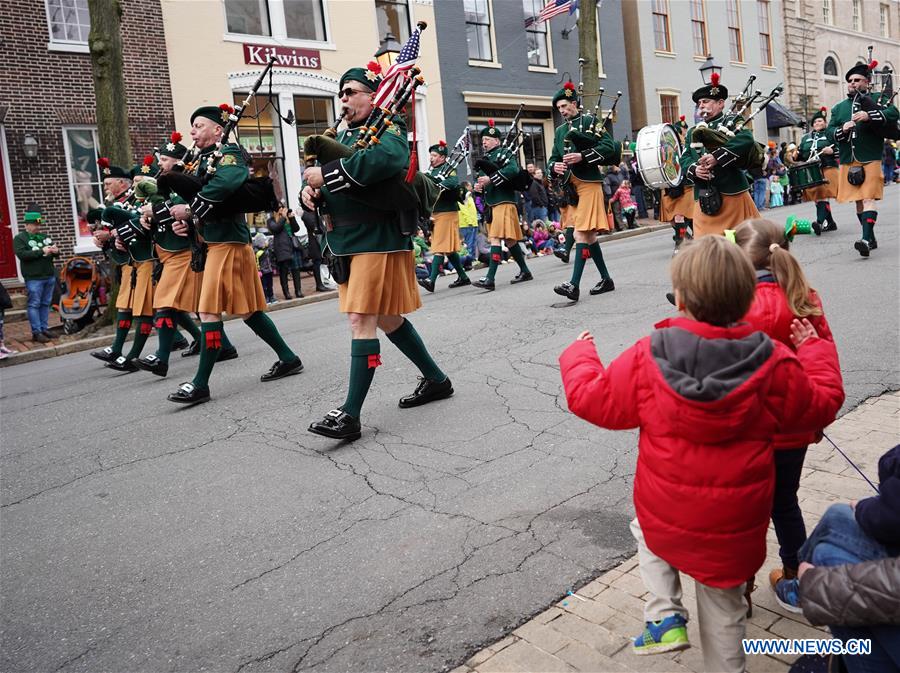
x: 228, y: 160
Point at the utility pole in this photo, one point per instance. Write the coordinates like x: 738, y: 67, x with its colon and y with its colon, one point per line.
x: 587, y: 49
x: 105, y: 44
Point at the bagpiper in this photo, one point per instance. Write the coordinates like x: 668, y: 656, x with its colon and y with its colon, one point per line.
x: 373, y: 254
x: 580, y: 147
x: 445, y: 240
x: 858, y: 124
x: 819, y: 143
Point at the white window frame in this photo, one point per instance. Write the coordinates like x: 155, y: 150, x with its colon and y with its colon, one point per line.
x: 82, y: 243
x: 669, y: 36
x: 70, y: 46
x: 493, y: 63
x: 884, y: 19
x: 740, y: 29
x: 278, y: 28
x: 856, y: 15
x: 674, y: 93
x: 827, y: 12
x: 837, y: 64
x: 551, y: 66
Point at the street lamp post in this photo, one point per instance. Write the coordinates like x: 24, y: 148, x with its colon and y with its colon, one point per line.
x: 708, y: 68
x: 388, y: 52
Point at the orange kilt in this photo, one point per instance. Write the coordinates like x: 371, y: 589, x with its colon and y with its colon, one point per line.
x: 871, y: 188
x: 445, y: 233
x: 683, y: 205
x: 178, y: 287
x: 505, y: 222
x: 590, y: 213
x: 231, y: 281
x: 735, y: 209
x: 381, y: 283
x: 139, y: 299
x: 566, y: 217
x: 826, y: 191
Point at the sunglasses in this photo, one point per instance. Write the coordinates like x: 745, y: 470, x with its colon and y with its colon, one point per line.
x: 348, y: 92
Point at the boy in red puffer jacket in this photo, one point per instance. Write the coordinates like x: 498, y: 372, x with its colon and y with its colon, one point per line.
x: 709, y: 396
x: 782, y: 294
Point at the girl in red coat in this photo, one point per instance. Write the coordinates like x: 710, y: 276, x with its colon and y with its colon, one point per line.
x: 709, y: 395
x: 782, y: 294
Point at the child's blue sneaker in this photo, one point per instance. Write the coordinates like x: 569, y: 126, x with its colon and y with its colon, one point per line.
x: 787, y: 593
x: 665, y: 635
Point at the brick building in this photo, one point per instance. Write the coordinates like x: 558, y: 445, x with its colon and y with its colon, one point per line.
x: 47, y: 97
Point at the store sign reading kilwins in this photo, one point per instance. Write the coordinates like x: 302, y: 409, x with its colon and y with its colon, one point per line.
x: 286, y: 57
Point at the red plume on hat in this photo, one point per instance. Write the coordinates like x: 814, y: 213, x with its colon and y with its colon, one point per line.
x: 175, y: 137
x: 681, y: 118
x: 103, y: 162
x: 873, y: 64
x: 569, y: 85
x: 374, y: 66
x: 148, y: 160
x: 442, y: 143
x: 714, y: 79
x: 491, y: 123
x: 225, y: 107
x: 823, y: 109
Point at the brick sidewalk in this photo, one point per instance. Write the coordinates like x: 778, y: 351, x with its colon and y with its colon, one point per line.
x: 592, y: 631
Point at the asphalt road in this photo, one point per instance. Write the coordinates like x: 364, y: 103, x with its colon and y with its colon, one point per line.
x: 140, y: 536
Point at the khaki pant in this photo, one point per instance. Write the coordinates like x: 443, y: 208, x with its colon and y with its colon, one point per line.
x: 721, y: 613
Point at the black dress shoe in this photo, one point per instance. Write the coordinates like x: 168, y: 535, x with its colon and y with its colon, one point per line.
x: 227, y: 354
x: 321, y: 288
x: 862, y: 247
x: 562, y: 254
x: 605, y: 285
x: 47, y: 334
x: 485, y: 284
x: 188, y: 393
x: 817, y: 228
x: 830, y: 226
x: 152, y: 364
x: 670, y: 297
x: 179, y: 344
x: 193, y: 349
x: 122, y: 364
x: 427, y: 391
x: 337, y: 424
x: 281, y: 369
x: 426, y: 283
x: 106, y: 355
x: 568, y: 290
x: 873, y: 244
x: 521, y: 277
x: 459, y: 282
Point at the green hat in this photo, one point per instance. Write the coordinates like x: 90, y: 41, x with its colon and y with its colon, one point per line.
x: 369, y: 77
x: 94, y: 215
x: 218, y: 114
x: 859, y: 69
x: 173, y: 148
x: 107, y: 170
x: 821, y: 113
x: 713, y: 90
x: 440, y: 148
x: 566, y: 93
x: 490, y: 131
x: 33, y: 217
x: 148, y: 167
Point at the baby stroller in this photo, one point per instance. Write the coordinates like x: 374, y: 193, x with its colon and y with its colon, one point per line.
x: 81, y: 293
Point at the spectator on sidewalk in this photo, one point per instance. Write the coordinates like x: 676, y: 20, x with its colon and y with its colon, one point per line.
x: 537, y: 192
x: 709, y: 394
x: 468, y: 218
x: 265, y: 264
x: 776, y: 191
x: 313, y: 247
x: 637, y: 189
x: 627, y: 206
x: 36, y: 252
x: 282, y: 227
x: 889, y: 162
x: 611, y: 184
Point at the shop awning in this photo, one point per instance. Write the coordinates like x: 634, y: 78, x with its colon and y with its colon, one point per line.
x: 778, y: 116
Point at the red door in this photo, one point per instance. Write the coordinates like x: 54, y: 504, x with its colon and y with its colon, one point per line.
x: 7, y: 257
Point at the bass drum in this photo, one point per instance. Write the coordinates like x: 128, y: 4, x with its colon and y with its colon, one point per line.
x: 658, y: 154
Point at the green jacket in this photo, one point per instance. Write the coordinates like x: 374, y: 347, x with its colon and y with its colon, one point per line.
x: 728, y: 177
x: 500, y: 190
x: 358, y: 228
x: 816, y: 140
x: 29, y: 248
x: 163, y: 235
x: 447, y: 202
x: 869, y: 142
x: 587, y: 170
x: 231, y: 172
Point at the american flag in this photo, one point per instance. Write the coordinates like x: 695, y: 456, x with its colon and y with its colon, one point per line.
x: 555, y: 8
x: 393, y: 78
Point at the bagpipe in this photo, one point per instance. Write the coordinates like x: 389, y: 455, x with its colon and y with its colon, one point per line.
x: 879, y: 101
x: 458, y: 154
x: 509, y: 149
x: 395, y: 192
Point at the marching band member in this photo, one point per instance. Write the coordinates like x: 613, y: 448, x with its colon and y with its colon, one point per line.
x: 819, y: 142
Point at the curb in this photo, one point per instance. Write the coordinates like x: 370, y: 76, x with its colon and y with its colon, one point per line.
x: 79, y: 345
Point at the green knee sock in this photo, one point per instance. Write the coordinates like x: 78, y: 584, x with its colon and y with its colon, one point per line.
x: 436, y: 267
x: 123, y: 324
x: 226, y: 343
x: 165, y: 331
x: 457, y: 264
x: 570, y: 239
x: 495, y: 261
x: 597, y: 256
x: 828, y: 213
x: 185, y: 322
x: 364, y: 358
x: 516, y: 251
x: 210, y: 345
x: 143, y: 327
x: 581, y: 253
x: 265, y: 329
x: 868, y: 218
x: 821, y: 211
x: 407, y: 339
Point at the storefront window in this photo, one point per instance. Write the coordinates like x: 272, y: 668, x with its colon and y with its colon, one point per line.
x: 259, y: 131
x: 313, y: 116
x: 84, y: 178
